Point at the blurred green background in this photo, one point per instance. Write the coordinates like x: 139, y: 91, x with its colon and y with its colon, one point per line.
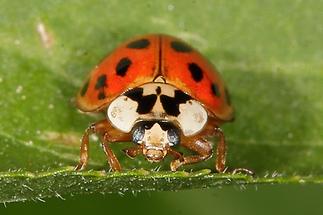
x: 269, y: 53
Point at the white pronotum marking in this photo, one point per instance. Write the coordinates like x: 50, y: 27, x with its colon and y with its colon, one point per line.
x: 122, y: 113
x: 192, y: 117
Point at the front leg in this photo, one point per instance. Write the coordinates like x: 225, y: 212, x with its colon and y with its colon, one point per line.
x: 201, y: 146
x: 204, y: 149
x: 133, y: 151
x: 213, y: 130
x: 220, y: 151
x: 107, y: 134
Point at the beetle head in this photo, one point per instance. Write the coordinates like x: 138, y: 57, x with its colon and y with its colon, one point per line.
x: 155, y: 137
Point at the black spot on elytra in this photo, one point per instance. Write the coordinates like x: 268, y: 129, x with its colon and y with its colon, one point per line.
x: 158, y: 90
x: 100, y: 85
x: 196, y: 71
x: 85, y: 87
x: 179, y: 46
x: 215, y: 90
x: 123, y: 66
x: 101, y: 82
x: 139, y: 44
x: 171, y: 105
x: 101, y: 95
x: 145, y: 103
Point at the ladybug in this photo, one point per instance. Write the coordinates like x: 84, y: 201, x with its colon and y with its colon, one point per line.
x: 158, y: 92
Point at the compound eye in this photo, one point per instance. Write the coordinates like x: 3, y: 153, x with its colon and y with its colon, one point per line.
x: 173, y: 137
x: 138, y: 134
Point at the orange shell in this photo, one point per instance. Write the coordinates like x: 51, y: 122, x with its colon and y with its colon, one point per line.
x: 142, y: 59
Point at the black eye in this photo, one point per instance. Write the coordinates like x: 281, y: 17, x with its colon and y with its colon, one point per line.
x: 173, y: 137
x: 148, y: 124
x: 138, y: 134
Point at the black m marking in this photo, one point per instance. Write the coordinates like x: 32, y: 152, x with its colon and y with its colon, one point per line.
x: 145, y: 103
x: 171, y: 105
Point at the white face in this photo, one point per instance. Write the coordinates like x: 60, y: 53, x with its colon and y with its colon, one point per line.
x: 155, y: 137
x: 157, y: 101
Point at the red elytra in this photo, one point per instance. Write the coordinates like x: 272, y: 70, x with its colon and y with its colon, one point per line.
x: 142, y: 59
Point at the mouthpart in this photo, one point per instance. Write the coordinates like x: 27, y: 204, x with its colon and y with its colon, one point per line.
x: 154, y: 154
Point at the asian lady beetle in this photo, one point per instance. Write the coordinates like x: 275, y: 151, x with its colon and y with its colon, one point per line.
x: 158, y: 92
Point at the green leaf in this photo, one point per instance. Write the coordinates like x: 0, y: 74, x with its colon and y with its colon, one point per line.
x: 269, y: 54
x: 57, y: 183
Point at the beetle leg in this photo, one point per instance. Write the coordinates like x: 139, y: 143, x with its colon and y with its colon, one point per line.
x: 133, y: 151
x: 175, y: 154
x: 111, y: 157
x: 220, y: 151
x: 213, y: 130
x: 108, y: 135
x: 84, y: 150
x: 221, y: 154
x: 204, y: 150
x: 201, y: 146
